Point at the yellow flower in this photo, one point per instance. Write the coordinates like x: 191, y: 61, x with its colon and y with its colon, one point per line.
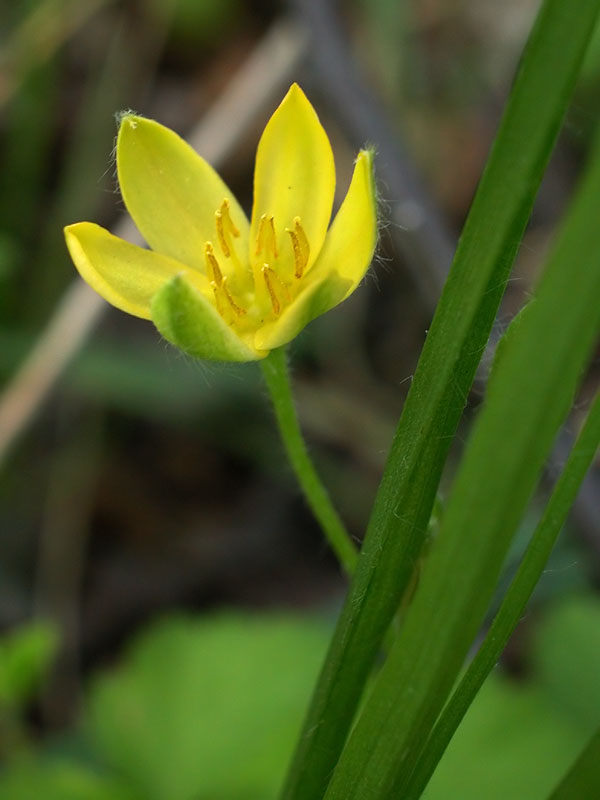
x: 215, y: 285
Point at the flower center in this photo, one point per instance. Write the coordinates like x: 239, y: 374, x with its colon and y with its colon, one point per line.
x: 243, y: 294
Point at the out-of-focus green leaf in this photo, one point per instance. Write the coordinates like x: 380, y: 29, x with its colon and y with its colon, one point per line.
x: 514, y: 601
x: 518, y: 740
x: 204, y: 710
x: 566, y: 659
x: 32, y: 780
x: 512, y: 744
x: 583, y: 779
x: 25, y: 656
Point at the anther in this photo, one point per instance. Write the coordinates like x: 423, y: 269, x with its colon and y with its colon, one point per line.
x: 276, y: 288
x: 225, y: 227
x: 221, y: 234
x: 239, y: 311
x: 301, y: 247
x: 268, y: 275
x: 212, y: 265
x: 265, y: 239
x: 218, y: 299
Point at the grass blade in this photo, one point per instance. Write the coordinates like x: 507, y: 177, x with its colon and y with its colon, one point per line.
x: 453, y: 348
x: 528, y: 397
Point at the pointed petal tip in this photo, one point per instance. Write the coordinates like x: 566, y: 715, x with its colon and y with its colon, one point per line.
x: 72, y: 231
x: 366, y: 153
x: 68, y: 229
x: 129, y: 122
x: 128, y: 119
x: 296, y: 94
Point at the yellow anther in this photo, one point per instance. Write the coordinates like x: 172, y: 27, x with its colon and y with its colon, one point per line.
x: 269, y: 275
x: 301, y: 247
x: 212, y: 265
x: 225, y: 228
x: 221, y: 234
x: 265, y: 239
x: 227, y: 219
x: 218, y: 299
x: 239, y: 311
x: 278, y: 291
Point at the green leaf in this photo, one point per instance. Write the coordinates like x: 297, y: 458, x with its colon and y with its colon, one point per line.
x: 25, y: 656
x: 60, y: 781
x: 513, y: 744
x: 525, y: 404
x: 452, y: 350
x: 514, y: 602
x: 518, y: 738
x: 208, y: 709
x: 583, y: 779
x: 566, y: 658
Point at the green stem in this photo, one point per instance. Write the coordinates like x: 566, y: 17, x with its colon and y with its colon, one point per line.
x: 275, y: 371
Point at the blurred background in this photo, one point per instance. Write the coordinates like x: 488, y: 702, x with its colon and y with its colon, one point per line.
x: 165, y: 596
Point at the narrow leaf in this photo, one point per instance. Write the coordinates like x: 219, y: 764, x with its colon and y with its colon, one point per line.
x: 527, y: 400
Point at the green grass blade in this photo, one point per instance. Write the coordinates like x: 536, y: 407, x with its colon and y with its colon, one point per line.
x: 582, y: 781
x: 452, y: 350
x: 528, y: 397
x: 514, y: 602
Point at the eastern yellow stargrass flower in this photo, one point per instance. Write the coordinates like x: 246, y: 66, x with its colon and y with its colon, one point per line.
x: 215, y: 285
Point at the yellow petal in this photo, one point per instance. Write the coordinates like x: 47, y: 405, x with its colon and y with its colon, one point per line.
x: 190, y: 321
x: 316, y: 299
x: 294, y: 175
x: 171, y: 192
x: 122, y: 273
x: 351, y: 240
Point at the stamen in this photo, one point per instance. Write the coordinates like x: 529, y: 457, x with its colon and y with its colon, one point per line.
x: 265, y: 239
x: 225, y: 228
x: 218, y: 300
x: 276, y: 288
x: 268, y: 275
x: 229, y: 223
x: 239, y: 311
x: 221, y: 234
x: 212, y: 265
x: 301, y: 247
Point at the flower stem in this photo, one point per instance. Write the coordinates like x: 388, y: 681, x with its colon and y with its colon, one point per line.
x: 275, y: 371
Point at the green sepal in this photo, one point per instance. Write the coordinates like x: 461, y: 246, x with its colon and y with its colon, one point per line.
x: 188, y: 320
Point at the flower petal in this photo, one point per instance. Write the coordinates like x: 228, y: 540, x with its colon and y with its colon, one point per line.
x: 171, y: 192
x: 350, y: 243
x: 294, y: 174
x: 191, y: 322
x: 122, y: 273
x: 316, y: 299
